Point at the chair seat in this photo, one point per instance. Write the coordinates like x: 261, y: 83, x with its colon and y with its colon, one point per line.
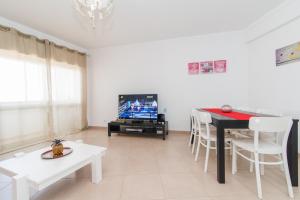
x: 265, y: 147
x: 213, y: 137
x: 203, y: 130
x: 241, y: 133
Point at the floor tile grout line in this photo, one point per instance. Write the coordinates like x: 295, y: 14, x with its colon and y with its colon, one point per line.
x: 122, y: 188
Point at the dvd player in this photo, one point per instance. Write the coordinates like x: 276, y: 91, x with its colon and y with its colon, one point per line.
x: 139, y: 130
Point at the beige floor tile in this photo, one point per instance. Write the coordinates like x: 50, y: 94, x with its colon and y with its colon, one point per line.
x: 183, y: 185
x: 237, y: 197
x: 138, y: 168
x: 143, y: 187
x: 143, y: 164
x: 173, y: 165
x: 77, y: 189
x: 232, y: 187
x: 273, y: 184
x: 114, y: 166
x: 195, y: 198
x: 144, y: 198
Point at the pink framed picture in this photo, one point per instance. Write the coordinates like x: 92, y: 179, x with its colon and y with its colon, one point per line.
x: 193, y: 68
x: 220, y: 66
x: 207, y: 67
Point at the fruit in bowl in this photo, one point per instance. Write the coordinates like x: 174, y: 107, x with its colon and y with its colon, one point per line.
x: 57, y: 147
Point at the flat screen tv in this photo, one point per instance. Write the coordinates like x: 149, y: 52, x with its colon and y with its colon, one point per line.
x: 138, y: 106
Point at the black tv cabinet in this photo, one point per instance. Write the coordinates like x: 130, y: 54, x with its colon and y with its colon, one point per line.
x: 140, y: 127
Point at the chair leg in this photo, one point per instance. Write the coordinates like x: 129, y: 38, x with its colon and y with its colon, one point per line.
x: 257, y: 172
x: 216, y: 148
x: 262, y: 166
x: 281, y: 166
x: 251, y: 163
x: 198, y: 149
x: 193, y: 148
x: 234, y: 159
x: 190, y: 140
x: 207, y: 156
x: 287, y: 175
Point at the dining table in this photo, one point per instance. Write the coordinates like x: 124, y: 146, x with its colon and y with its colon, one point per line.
x: 239, y: 119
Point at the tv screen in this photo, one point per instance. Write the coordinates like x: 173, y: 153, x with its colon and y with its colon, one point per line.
x: 139, y: 106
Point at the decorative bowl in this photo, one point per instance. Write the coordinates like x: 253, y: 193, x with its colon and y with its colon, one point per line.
x: 49, y: 154
x: 226, y: 108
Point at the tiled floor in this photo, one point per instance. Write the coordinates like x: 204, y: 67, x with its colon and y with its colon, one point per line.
x: 137, y: 168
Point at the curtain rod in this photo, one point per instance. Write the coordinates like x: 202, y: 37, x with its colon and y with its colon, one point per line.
x: 6, y: 29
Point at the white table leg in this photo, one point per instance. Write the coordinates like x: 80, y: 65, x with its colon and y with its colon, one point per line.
x: 96, y: 169
x: 20, y: 188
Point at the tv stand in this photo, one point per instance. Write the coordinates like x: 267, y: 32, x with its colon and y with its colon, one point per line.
x: 137, y: 121
x: 139, y: 127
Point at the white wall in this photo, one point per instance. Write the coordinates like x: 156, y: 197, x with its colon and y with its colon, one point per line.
x: 271, y: 87
x: 161, y: 67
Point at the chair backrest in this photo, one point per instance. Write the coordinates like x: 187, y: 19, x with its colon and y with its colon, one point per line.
x: 204, y: 120
x: 279, y: 136
x: 272, y: 125
x: 194, y: 118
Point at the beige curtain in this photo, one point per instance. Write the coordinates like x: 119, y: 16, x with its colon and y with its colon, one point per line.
x: 73, y: 58
x: 11, y: 39
x: 30, y: 120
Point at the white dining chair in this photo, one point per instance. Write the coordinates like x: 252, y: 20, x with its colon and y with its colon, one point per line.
x: 246, y: 133
x: 267, y: 137
x: 207, y: 136
x: 194, y: 130
x: 257, y: 146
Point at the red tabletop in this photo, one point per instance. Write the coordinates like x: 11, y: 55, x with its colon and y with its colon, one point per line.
x: 233, y: 114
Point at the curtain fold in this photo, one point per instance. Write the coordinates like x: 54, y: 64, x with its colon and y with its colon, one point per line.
x: 42, y: 90
x: 72, y: 58
x: 62, y: 54
x: 11, y: 39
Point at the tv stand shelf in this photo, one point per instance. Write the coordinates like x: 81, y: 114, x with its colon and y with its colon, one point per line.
x: 145, y: 128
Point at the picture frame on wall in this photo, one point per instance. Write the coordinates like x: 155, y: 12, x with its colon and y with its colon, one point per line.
x: 220, y: 66
x: 207, y: 67
x: 193, y: 68
x: 288, y: 54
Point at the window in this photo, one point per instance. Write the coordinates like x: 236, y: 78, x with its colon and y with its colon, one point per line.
x: 37, y: 102
x: 23, y: 79
x: 66, y: 95
x: 66, y: 84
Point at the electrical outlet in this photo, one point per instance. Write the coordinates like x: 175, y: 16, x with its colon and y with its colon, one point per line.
x: 165, y: 110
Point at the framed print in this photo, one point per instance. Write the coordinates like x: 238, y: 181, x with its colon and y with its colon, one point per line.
x: 288, y: 54
x: 193, y: 68
x: 207, y: 67
x: 220, y: 66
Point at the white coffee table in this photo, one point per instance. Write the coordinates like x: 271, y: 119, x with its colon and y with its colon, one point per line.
x: 30, y: 171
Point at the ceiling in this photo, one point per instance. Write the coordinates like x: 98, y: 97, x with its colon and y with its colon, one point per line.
x: 134, y: 21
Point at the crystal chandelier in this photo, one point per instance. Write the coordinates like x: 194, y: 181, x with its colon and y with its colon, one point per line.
x: 93, y: 9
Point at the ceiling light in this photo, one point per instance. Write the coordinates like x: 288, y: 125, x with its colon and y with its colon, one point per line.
x: 94, y: 9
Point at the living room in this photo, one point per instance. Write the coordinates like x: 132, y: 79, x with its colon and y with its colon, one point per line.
x: 161, y: 96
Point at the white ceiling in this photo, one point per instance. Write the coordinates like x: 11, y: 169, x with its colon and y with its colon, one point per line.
x: 135, y: 21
